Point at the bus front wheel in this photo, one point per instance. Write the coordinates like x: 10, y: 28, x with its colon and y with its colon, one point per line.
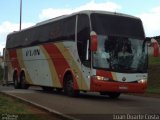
x: 69, y: 87
x: 23, y: 84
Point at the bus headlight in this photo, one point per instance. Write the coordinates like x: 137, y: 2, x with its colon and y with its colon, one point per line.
x: 100, y: 78
x: 142, y: 81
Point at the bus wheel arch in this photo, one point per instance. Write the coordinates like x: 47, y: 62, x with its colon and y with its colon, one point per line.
x: 68, y: 84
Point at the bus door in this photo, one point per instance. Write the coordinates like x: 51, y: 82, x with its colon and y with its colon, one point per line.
x: 83, y: 43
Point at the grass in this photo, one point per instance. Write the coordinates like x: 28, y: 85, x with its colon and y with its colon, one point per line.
x: 152, y: 89
x: 10, y: 106
x: 1, y: 74
x: 19, y: 110
x: 154, y: 75
x: 14, y: 108
x: 154, y: 60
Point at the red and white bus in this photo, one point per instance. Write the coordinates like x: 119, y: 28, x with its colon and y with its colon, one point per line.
x: 95, y: 51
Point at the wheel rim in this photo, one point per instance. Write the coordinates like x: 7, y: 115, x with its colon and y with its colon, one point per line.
x: 23, y: 84
x: 70, y: 87
x: 16, y: 84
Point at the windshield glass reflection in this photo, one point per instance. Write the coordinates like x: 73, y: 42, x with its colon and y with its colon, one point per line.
x: 120, y: 54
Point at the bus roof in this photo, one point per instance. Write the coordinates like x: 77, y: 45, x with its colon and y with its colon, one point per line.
x: 76, y: 13
x: 85, y: 12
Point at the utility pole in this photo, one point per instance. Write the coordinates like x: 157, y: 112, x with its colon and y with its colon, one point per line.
x: 20, y: 25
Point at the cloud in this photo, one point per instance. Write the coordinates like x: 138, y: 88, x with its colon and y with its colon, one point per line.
x: 8, y: 27
x: 51, y: 12
x: 151, y: 22
x: 150, y: 19
x: 108, y: 6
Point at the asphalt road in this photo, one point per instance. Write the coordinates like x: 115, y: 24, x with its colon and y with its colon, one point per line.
x: 92, y: 106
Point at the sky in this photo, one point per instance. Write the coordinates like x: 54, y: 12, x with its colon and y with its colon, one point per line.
x: 34, y: 11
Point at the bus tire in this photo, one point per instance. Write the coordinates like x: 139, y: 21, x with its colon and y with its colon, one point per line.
x: 114, y: 95
x: 23, y: 84
x: 15, y: 81
x: 69, y: 86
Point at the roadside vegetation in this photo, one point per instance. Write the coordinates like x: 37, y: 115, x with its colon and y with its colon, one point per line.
x: 154, y: 60
x: 154, y: 75
x: 1, y: 75
x: 14, y: 109
x: 17, y: 110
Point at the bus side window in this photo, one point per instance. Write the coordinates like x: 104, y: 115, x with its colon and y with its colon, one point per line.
x: 83, y: 35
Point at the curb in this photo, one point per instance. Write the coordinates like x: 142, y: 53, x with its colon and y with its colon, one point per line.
x: 54, y: 112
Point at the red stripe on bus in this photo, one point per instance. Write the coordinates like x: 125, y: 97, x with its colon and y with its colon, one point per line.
x: 60, y: 63
x: 14, y: 59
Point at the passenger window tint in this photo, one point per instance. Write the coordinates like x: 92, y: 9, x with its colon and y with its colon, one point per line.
x: 58, y: 30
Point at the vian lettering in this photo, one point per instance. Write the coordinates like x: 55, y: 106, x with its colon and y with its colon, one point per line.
x: 34, y: 52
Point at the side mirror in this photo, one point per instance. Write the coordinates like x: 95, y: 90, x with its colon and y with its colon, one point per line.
x: 155, y: 47
x: 94, y: 41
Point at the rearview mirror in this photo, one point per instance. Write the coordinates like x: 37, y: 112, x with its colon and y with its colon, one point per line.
x: 94, y: 42
x: 155, y: 47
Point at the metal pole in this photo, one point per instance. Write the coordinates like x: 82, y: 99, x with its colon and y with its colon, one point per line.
x: 20, y: 15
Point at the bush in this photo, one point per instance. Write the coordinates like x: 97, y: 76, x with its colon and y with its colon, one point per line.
x: 154, y: 60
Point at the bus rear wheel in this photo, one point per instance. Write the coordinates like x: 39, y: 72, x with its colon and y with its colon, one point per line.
x: 69, y: 87
x: 16, y: 83
x: 23, y: 84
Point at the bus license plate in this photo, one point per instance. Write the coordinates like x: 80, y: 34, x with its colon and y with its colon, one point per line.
x: 123, y: 87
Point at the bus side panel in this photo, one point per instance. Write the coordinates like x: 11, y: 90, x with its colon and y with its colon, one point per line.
x: 69, y: 51
x: 8, y: 64
x: 37, y: 64
x: 46, y: 65
x: 14, y: 60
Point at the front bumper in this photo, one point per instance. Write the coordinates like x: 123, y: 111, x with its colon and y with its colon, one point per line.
x: 122, y: 87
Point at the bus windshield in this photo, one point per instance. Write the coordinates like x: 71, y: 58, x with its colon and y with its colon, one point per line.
x: 121, y: 45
